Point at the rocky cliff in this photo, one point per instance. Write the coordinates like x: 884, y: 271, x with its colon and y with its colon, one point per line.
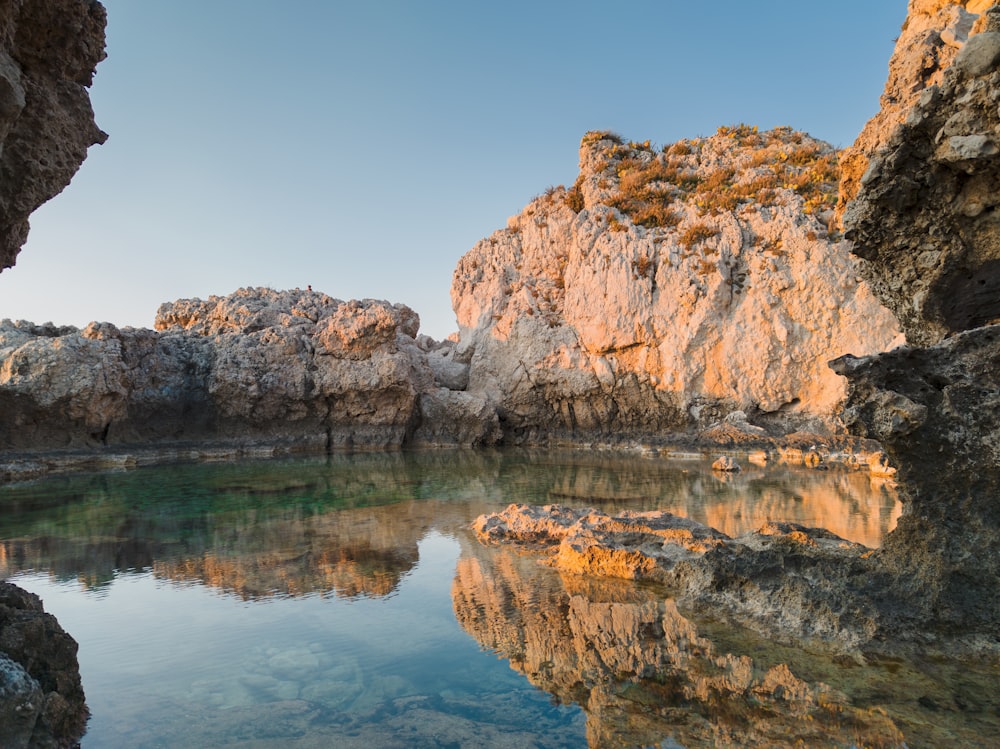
x: 668, y: 288
x: 296, y: 369
x: 49, y: 50
x: 925, y: 223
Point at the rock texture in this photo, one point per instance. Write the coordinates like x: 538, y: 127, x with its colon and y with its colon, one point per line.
x: 784, y: 579
x: 642, y: 671
x: 297, y: 369
x: 41, y: 698
x: 667, y: 289
x: 49, y: 50
x: 929, y: 41
x: 925, y: 223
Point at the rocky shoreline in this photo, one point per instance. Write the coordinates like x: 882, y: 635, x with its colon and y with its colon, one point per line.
x: 680, y: 298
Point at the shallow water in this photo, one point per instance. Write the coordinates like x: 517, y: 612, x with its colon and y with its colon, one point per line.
x: 344, y: 602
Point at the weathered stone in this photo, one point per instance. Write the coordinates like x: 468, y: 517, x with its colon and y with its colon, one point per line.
x: 665, y: 290
x: 726, y: 464
x: 49, y: 50
x: 792, y: 582
x: 42, y: 688
x: 931, y: 38
x: 296, y: 369
x: 21, y: 701
x: 925, y: 224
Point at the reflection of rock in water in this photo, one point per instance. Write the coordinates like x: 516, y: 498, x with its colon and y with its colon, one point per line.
x: 640, y: 669
x: 41, y: 696
x: 354, y: 552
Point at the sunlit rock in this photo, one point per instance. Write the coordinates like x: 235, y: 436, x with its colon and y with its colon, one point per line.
x: 296, y: 369
x: 668, y: 289
x: 923, y: 221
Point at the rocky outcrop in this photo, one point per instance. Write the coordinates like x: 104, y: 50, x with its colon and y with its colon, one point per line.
x: 297, y: 369
x: 641, y: 670
x: 929, y: 41
x: 925, y: 218
x: 925, y: 224
x: 783, y: 579
x: 668, y: 288
x: 41, y: 698
x: 49, y: 50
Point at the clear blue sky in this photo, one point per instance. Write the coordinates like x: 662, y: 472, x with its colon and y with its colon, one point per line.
x: 363, y: 147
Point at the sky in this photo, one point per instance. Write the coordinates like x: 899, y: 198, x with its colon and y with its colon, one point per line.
x: 363, y: 147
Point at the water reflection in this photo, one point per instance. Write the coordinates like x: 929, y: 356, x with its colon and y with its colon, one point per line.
x: 640, y: 669
x: 349, y: 526
x: 288, y: 603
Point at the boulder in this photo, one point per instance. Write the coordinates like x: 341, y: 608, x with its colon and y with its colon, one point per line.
x: 42, y: 704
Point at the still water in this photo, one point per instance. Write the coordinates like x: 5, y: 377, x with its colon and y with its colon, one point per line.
x: 343, y: 602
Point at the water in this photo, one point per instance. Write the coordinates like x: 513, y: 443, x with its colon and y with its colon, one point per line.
x: 344, y: 602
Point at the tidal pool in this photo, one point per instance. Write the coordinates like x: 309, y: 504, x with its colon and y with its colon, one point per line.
x: 343, y: 601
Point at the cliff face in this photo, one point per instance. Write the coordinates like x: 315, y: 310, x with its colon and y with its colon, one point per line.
x: 49, y: 50
x: 925, y: 222
x: 294, y: 368
x: 669, y: 288
x: 932, y: 35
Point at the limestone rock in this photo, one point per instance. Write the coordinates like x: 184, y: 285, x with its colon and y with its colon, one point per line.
x: 666, y: 289
x: 924, y: 219
x: 787, y: 580
x: 39, y: 676
x: 930, y: 40
x: 49, y: 50
x: 924, y: 222
x: 292, y: 368
x: 726, y: 464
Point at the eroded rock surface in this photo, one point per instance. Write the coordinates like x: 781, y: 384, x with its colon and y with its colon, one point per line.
x: 924, y: 219
x: 42, y: 703
x: 925, y: 223
x: 667, y: 289
x: 929, y: 41
x: 783, y: 579
x: 49, y: 50
x: 293, y: 368
x: 643, y: 671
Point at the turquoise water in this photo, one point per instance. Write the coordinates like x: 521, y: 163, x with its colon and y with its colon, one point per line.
x: 343, y: 601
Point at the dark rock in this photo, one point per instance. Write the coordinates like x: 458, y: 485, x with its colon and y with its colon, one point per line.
x: 49, y: 50
x: 43, y: 686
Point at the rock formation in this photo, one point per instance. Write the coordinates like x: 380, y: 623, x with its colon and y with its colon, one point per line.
x: 925, y: 223
x: 792, y: 582
x: 41, y: 698
x: 667, y: 289
x: 49, y: 50
x: 641, y: 670
x: 931, y: 37
x: 296, y: 369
